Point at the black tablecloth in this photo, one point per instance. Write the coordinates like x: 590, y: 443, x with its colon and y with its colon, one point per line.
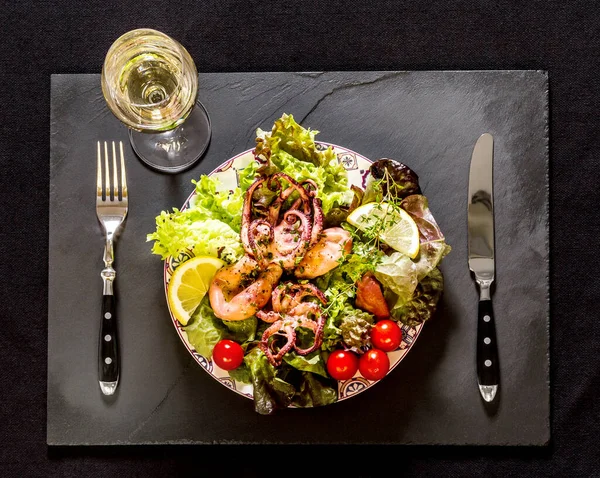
x: 61, y: 37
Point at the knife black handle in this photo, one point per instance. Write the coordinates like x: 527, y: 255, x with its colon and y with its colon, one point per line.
x: 108, y: 349
x: 487, y: 351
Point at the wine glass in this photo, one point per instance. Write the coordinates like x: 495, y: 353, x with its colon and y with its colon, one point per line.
x: 150, y: 83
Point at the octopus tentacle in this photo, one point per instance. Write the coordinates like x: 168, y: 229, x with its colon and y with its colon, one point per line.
x: 268, y: 317
x: 297, y: 203
x: 247, y: 213
x: 258, y: 249
x: 317, y: 328
x: 303, y: 200
x: 278, y: 328
x: 317, y: 221
x: 290, y: 259
x: 275, y: 207
x: 276, y: 297
x: 303, y: 309
x: 312, y: 189
x: 297, y: 186
x: 292, y: 312
x: 309, y: 289
x: 293, y: 295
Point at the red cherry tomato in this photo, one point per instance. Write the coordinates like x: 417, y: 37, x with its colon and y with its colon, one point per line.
x: 374, y: 364
x: 342, y: 364
x: 386, y: 335
x: 228, y: 354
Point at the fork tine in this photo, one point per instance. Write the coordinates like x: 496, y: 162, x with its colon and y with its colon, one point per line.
x: 123, y: 175
x: 115, y: 185
x: 99, y: 174
x: 107, y: 173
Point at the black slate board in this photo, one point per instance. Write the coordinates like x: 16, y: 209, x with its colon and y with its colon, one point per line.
x: 429, y: 120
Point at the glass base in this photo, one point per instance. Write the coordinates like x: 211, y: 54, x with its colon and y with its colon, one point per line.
x: 178, y: 149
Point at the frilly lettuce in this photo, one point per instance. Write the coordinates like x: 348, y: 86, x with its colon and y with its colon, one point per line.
x: 423, y: 302
x: 179, y: 231
x: 215, y: 203
x: 291, y: 148
x: 209, y: 226
x: 392, y: 179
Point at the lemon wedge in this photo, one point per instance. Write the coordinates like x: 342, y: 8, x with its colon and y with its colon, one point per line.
x: 391, y: 225
x: 189, y: 284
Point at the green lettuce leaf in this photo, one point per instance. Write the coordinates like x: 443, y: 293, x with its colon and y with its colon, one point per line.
x: 270, y: 391
x: 312, y: 362
x: 332, y: 334
x: 247, y: 176
x: 204, y: 329
x: 424, y: 301
x: 241, y: 331
x: 288, y: 136
x: 241, y: 374
x: 315, y: 391
x: 397, y: 273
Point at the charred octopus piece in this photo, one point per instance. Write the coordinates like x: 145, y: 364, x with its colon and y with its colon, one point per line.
x: 281, y: 235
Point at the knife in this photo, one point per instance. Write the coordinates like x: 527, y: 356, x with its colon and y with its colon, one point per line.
x: 480, y: 214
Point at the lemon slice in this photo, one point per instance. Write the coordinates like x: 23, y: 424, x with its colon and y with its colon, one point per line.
x: 392, y: 225
x: 189, y: 284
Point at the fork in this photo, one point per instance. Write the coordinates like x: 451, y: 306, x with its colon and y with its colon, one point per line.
x: 111, y: 209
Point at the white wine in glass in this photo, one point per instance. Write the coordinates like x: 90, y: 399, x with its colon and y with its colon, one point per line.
x: 150, y: 83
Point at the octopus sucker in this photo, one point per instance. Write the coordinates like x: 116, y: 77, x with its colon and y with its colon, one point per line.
x: 246, y: 213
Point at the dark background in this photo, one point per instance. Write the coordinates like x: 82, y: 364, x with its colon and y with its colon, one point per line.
x: 37, y: 39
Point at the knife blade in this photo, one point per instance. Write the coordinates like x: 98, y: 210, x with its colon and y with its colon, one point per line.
x: 480, y: 217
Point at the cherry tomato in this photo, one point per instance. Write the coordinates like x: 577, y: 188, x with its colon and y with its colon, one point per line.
x: 228, y: 354
x: 374, y: 364
x: 386, y: 335
x: 342, y: 364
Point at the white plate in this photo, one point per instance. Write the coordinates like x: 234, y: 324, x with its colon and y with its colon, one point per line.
x: 358, y: 170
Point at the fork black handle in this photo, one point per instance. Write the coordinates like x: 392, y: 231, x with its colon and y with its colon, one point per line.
x: 108, y: 350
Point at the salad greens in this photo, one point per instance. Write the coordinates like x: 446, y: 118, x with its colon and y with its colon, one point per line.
x: 211, y: 226
x: 291, y: 148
